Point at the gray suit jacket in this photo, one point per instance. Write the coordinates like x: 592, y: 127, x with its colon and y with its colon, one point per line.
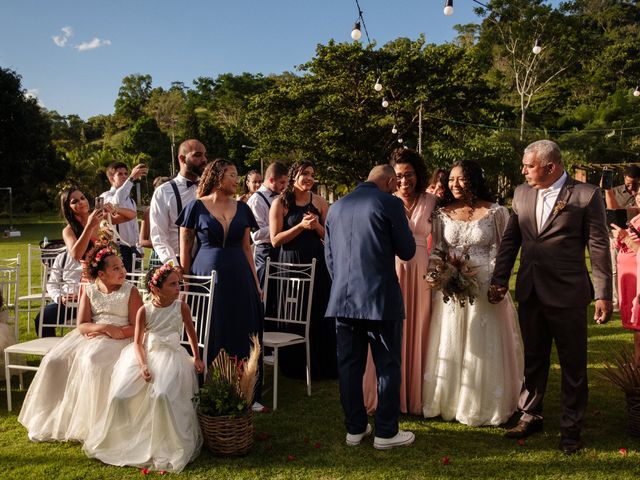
x: 552, y: 261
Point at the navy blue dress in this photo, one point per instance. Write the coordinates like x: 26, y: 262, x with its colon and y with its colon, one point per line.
x: 237, y: 310
x: 322, y: 331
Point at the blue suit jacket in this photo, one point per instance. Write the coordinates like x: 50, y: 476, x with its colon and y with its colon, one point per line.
x: 363, y: 234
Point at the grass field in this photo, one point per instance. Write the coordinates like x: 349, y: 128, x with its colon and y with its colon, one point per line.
x: 305, y: 437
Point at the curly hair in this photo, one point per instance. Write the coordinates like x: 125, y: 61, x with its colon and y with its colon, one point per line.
x: 288, y: 196
x: 438, y: 175
x: 95, y: 259
x: 411, y: 157
x: 212, y: 176
x: 475, y: 184
x: 156, y: 276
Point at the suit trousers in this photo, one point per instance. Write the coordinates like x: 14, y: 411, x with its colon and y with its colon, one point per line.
x: 540, y: 325
x: 354, y: 337
x: 50, y: 312
x: 127, y: 256
x: 261, y: 253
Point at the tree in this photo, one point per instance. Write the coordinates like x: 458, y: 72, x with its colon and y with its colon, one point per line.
x: 146, y: 137
x: 133, y: 96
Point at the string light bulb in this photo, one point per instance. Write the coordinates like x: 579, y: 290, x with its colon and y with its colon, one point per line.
x: 636, y: 92
x: 394, y: 129
x: 400, y: 140
x: 448, y: 8
x: 385, y: 103
x: 356, y: 34
x: 378, y: 86
x: 537, y: 48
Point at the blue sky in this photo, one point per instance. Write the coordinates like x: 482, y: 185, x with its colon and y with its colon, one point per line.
x: 80, y: 70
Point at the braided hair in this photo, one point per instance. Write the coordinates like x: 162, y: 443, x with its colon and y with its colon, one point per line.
x: 96, y: 259
x: 288, y: 196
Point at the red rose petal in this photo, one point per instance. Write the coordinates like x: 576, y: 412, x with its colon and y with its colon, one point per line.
x: 316, y: 445
x: 162, y: 472
x: 445, y: 460
x: 144, y: 471
x: 623, y: 452
x: 521, y: 442
x: 291, y: 458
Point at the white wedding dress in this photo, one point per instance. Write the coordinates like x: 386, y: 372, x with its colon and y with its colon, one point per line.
x: 151, y: 424
x: 68, y: 394
x: 475, y: 362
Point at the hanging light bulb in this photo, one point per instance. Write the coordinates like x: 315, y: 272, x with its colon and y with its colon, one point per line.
x: 356, y: 34
x: 385, y: 103
x: 537, y: 48
x: 636, y: 92
x: 378, y: 86
x: 400, y: 140
x: 394, y: 129
x: 448, y: 8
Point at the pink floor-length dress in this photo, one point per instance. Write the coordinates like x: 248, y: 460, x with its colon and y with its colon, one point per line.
x: 417, y: 303
x: 629, y: 283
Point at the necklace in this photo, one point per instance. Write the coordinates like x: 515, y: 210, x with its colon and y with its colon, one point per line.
x: 409, y: 210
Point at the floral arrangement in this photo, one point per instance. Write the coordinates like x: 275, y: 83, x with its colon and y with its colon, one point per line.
x: 100, y: 254
x: 161, y: 272
x: 624, y: 372
x: 228, y: 388
x: 453, y: 276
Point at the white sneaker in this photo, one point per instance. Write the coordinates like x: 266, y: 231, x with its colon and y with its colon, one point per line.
x: 354, y: 439
x: 401, y: 438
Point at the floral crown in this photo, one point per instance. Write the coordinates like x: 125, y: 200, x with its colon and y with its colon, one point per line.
x: 161, y: 272
x: 100, y: 254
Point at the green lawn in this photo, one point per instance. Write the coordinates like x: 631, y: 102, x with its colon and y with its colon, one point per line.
x: 310, y: 429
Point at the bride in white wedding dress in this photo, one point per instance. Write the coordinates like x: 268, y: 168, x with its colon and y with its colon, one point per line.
x: 475, y: 364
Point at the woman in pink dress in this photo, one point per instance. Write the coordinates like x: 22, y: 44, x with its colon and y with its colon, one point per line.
x: 412, y: 182
x: 629, y: 277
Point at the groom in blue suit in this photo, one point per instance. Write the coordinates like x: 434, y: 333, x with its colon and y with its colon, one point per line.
x: 364, y: 232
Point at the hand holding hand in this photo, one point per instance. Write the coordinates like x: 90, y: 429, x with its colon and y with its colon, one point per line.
x: 603, y: 311
x: 146, y: 374
x: 199, y: 365
x: 496, y: 293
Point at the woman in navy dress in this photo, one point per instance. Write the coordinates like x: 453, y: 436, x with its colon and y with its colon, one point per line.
x: 296, y: 222
x: 219, y: 227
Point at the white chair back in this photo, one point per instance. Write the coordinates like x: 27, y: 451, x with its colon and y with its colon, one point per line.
x: 10, y: 288
x: 137, y: 279
x: 37, y: 259
x: 70, y: 289
x: 199, y: 297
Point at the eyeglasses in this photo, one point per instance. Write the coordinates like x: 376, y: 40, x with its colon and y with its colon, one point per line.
x: 407, y: 175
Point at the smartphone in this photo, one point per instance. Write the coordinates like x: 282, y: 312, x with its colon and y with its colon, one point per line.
x: 99, y: 203
x: 633, y: 229
x: 607, y: 179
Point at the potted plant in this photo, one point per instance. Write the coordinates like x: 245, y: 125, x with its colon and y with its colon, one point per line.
x: 625, y: 374
x: 224, y: 403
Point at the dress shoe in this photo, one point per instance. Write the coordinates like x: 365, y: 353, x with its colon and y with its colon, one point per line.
x: 524, y: 429
x: 354, y: 439
x: 569, y: 446
x: 401, y: 438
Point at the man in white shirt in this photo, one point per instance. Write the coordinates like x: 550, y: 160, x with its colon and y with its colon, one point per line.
x: 276, y: 178
x: 171, y: 197
x: 120, y: 196
x: 62, y: 286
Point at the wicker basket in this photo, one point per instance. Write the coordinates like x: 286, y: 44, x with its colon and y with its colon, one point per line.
x: 633, y: 409
x: 227, y: 436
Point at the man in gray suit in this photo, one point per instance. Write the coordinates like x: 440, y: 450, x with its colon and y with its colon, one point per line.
x: 554, y: 219
x: 364, y: 232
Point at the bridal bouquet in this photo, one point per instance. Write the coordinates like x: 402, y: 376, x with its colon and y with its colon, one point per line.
x: 454, y: 277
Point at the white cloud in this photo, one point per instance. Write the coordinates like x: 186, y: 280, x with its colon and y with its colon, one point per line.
x: 95, y: 43
x: 33, y: 93
x: 61, y: 40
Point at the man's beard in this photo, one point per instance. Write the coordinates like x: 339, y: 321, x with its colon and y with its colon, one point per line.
x: 194, y: 169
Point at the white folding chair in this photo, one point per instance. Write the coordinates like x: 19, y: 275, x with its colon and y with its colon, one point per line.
x: 288, y: 295
x: 37, y: 259
x: 199, y: 297
x: 137, y: 263
x: 41, y: 346
x: 10, y: 288
x: 137, y: 279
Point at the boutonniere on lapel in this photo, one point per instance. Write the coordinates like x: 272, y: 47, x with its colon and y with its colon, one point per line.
x: 559, y: 207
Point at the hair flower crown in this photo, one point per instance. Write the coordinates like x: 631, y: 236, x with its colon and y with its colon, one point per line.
x: 161, y: 272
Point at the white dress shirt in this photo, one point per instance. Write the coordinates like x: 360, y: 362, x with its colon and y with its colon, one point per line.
x: 163, y: 213
x: 121, y: 197
x: 261, y: 211
x: 546, y: 200
x: 64, y: 269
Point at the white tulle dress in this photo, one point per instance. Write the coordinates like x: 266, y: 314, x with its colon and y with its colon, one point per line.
x: 151, y: 424
x: 68, y: 395
x: 475, y: 360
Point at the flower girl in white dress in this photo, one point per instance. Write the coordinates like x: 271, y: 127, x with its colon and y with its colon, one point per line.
x: 151, y: 419
x: 68, y: 394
